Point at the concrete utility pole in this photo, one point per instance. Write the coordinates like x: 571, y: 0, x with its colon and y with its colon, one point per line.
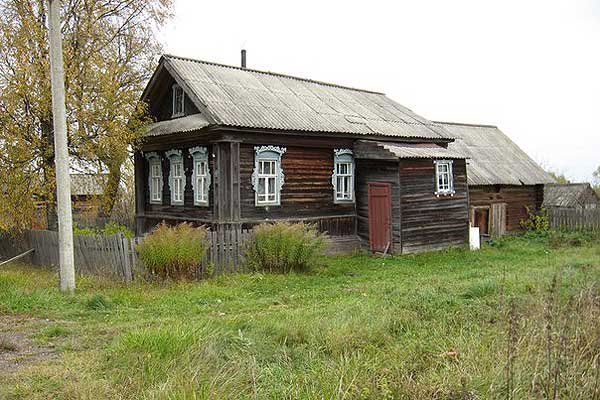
x: 61, y: 152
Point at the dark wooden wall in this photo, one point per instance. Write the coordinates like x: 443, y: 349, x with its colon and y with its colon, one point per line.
x: 515, y: 197
x: 307, y: 193
x: 430, y: 222
x: 188, y: 210
x: 377, y: 171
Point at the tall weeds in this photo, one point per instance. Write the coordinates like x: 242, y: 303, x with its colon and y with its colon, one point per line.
x: 553, y: 346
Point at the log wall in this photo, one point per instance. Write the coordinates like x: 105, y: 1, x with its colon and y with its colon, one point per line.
x: 430, y: 222
x: 517, y: 198
x: 307, y: 193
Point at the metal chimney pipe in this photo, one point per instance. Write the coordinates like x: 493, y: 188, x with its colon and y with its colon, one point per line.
x: 243, y: 58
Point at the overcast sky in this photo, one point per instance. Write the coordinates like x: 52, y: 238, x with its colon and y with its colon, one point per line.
x: 531, y: 67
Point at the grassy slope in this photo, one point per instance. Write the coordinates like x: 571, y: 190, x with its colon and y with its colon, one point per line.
x: 362, y: 327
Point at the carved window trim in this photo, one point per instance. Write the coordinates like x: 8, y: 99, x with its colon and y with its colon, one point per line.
x: 154, y: 164
x: 444, y: 187
x: 199, y: 155
x: 176, y: 159
x: 267, y: 154
x: 178, y: 109
x: 346, y: 157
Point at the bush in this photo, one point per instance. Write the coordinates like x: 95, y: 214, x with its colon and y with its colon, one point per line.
x: 535, y: 221
x: 173, y: 252
x: 283, y: 247
x: 110, y: 228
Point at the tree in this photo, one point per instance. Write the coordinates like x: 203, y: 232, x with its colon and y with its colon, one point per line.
x: 558, y: 177
x: 110, y: 48
x: 596, y: 181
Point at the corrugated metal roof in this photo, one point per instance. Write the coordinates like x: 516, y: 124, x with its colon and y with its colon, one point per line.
x: 183, y: 124
x: 571, y: 195
x: 255, y: 99
x: 437, y: 152
x: 87, y: 184
x: 494, y: 159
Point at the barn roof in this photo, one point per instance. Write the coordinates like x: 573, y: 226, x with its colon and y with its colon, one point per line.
x: 494, y: 159
x: 88, y: 184
x: 569, y: 195
x: 232, y: 96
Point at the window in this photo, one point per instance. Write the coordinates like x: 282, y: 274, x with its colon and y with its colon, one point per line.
x: 267, y: 178
x: 443, y: 177
x: 343, y: 175
x: 178, y: 101
x: 200, y: 176
x: 155, y: 182
x: 176, y: 177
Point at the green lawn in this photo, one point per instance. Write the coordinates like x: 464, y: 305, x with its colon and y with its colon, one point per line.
x: 447, y: 325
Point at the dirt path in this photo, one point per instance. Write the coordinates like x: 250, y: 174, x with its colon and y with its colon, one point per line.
x: 17, y: 348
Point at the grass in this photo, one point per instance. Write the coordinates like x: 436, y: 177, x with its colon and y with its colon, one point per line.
x: 515, y: 320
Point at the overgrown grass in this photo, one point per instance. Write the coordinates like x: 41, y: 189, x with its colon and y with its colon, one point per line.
x: 518, y: 319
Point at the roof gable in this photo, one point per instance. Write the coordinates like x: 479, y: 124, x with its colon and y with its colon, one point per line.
x: 494, y: 159
x: 232, y: 96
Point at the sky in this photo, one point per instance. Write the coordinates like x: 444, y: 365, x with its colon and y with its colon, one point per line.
x: 531, y: 67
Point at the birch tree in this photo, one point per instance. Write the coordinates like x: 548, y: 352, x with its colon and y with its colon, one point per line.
x: 110, y: 48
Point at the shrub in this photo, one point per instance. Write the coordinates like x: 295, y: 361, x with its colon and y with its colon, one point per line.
x: 173, y: 252
x: 110, y: 228
x: 283, y: 247
x: 535, y: 221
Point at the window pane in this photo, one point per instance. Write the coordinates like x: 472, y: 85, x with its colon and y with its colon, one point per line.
x: 261, y: 186
x: 271, y: 189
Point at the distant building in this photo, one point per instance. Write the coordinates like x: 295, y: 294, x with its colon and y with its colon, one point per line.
x: 578, y: 196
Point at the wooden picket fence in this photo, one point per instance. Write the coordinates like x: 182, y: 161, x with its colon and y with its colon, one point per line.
x: 114, y: 256
x: 572, y: 219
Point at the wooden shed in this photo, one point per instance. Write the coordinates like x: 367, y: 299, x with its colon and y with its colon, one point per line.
x: 503, y: 180
x: 236, y: 146
x: 576, y: 196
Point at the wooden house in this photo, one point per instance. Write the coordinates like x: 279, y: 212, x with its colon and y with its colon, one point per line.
x: 236, y: 146
x: 577, y: 196
x: 504, y: 182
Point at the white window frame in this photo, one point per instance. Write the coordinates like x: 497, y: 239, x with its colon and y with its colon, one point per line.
x: 200, y: 183
x: 271, y: 154
x: 343, y: 156
x: 175, y: 159
x: 155, y: 194
x: 446, y: 189
x: 175, y: 111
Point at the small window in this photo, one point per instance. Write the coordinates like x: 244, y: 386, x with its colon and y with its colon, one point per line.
x: 443, y: 177
x: 178, y: 101
x: 267, y: 178
x: 155, y: 181
x: 176, y: 177
x: 200, y: 176
x: 343, y: 175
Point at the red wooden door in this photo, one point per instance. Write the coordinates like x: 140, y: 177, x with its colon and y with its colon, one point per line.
x: 380, y: 209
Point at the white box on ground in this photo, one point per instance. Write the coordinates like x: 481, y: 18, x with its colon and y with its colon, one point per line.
x: 474, y: 238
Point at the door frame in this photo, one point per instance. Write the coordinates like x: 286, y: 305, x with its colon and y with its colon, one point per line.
x: 388, y: 186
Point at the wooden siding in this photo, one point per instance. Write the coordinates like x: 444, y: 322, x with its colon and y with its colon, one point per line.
x: 517, y: 198
x: 307, y: 193
x: 188, y: 209
x: 430, y: 222
x: 377, y: 171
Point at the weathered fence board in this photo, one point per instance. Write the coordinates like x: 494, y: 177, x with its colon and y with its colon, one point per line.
x: 573, y: 219
x: 115, y: 256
